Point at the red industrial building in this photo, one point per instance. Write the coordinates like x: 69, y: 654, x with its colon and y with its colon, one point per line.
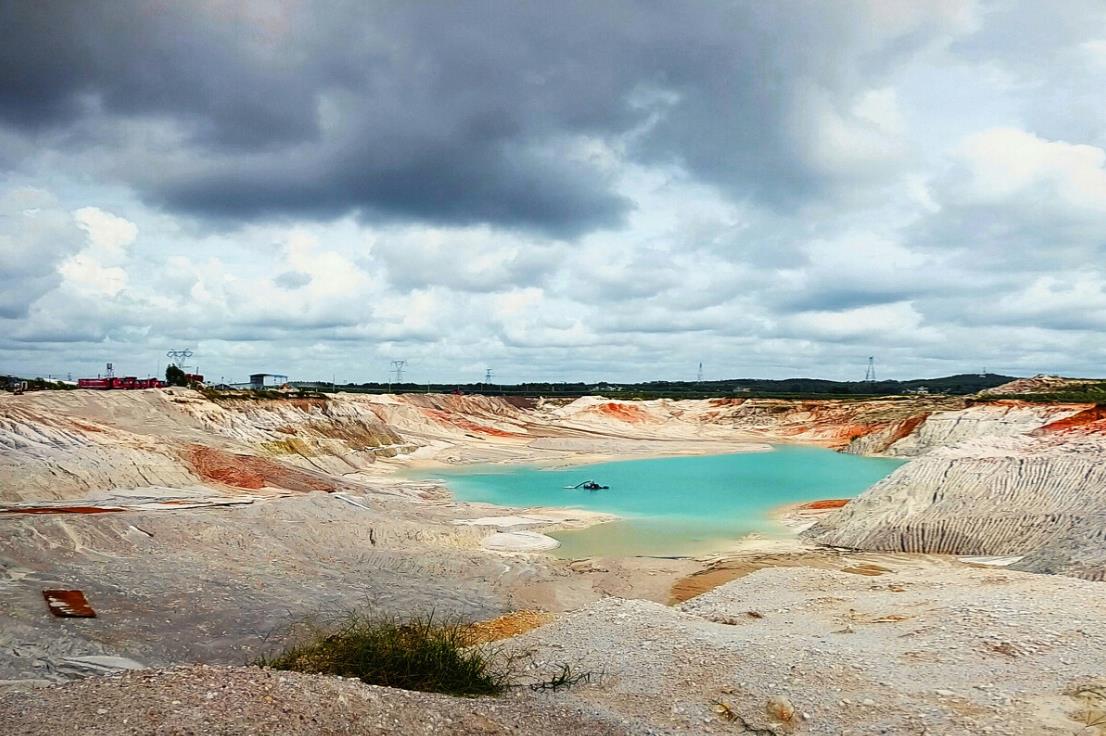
x: 111, y: 382
x: 127, y: 383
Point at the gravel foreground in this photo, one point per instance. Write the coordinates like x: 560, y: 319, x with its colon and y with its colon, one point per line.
x: 925, y: 649
x: 200, y: 700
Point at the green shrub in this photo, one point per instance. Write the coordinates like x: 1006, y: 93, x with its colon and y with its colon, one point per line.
x: 421, y: 654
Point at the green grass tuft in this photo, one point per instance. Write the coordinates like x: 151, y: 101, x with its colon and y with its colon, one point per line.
x: 421, y: 654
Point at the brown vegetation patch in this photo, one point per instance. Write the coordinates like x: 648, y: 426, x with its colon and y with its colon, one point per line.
x: 250, y: 471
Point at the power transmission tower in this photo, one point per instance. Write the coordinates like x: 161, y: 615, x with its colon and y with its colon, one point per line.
x: 398, y: 366
x: 699, y: 375
x: 179, y: 357
x: 870, y: 374
x: 488, y: 377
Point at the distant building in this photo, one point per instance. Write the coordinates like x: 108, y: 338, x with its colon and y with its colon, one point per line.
x: 127, y: 383
x: 261, y: 381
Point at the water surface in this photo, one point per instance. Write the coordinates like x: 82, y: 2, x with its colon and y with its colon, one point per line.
x: 678, y: 505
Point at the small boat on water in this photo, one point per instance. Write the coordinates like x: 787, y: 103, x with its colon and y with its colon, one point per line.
x: 590, y: 485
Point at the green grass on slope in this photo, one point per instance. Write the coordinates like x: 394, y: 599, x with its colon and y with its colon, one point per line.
x: 422, y: 654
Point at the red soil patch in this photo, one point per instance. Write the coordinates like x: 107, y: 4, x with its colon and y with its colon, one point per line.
x: 622, y: 412
x: 1088, y: 420
x: 850, y: 432
x: 250, y: 471
x: 906, y: 427
x: 508, y: 625
x: 448, y: 419
x: 826, y: 503
x: 62, y: 510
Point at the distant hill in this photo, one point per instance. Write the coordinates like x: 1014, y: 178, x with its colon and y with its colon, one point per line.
x: 1051, y: 388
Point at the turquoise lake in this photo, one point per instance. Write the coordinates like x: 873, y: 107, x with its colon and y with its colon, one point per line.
x: 677, y: 505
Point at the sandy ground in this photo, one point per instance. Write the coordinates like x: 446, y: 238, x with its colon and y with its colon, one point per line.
x: 560, y: 452
x: 226, y: 580
x: 921, y: 647
x: 193, y: 568
x: 201, y: 700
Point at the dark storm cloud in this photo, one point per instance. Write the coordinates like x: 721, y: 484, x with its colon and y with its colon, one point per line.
x: 451, y: 112
x: 214, y: 71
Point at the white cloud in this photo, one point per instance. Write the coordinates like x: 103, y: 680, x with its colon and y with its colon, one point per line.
x: 36, y: 235
x: 108, y: 235
x: 862, y: 141
x: 474, y: 259
x: 97, y: 270
x: 1002, y: 163
x: 88, y: 276
x: 882, y: 324
x: 1095, y: 52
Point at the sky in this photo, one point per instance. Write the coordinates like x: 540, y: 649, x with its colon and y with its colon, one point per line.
x: 557, y: 191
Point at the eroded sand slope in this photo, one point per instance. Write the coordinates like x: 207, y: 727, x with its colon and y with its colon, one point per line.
x: 1031, y: 489
x: 988, y: 477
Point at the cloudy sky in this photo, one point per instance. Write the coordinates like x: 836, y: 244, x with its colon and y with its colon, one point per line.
x: 570, y: 190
